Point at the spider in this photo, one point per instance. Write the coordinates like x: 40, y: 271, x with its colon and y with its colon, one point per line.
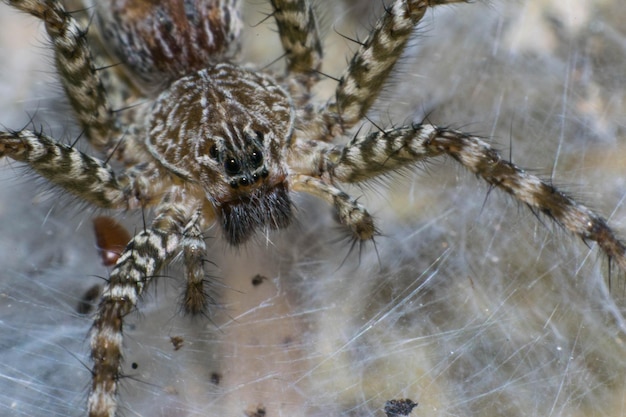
x: 217, y: 142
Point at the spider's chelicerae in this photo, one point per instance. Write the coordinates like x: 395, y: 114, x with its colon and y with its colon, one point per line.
x: 204, y: 140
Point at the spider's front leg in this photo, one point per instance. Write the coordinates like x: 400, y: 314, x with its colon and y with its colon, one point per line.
x: 82, y: 175
x: 176, y: 228
x: 75, y: 65
x: 143, y: 257
x: 381, y: 152
x: 141, y: 260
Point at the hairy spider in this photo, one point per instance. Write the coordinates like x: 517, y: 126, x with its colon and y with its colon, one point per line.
x: 216, y: 142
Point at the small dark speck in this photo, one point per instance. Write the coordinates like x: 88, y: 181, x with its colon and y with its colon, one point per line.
x: 258, y: 280
x: 177, y: 342
x: 134, y: 365
x: 216, y: 378
x: 398, y: 408
x: 259, y: 412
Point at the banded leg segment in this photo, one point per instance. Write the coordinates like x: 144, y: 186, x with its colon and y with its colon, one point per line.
x: 369, y: 68
x: 350, y: 212
x: 74, y: 63
x: 142, y: 259
x: 78, y: 173
x: 299, y: 35
x: 377, y: 153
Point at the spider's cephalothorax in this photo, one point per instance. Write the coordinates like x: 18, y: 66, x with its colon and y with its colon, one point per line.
x: 204, y: 140
x: 226, y: 129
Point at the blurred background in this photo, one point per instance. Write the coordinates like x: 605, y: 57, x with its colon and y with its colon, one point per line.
x: 468, y: 303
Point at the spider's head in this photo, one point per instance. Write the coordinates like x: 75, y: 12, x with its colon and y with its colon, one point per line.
x: 255, y: 194
x: 227, y: 129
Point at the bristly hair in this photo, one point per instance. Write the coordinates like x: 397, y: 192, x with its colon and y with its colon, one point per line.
x: 241, y: 218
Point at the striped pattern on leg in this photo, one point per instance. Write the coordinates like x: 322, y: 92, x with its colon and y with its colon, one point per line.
x: 75, y: 65
x: 78, y: 173
x: 370, y: 66
x: 142, y: 259
x: 380, y: 152
x: 299, y: 35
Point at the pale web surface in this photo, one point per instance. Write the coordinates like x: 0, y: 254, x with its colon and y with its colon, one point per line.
x: 471, y: 306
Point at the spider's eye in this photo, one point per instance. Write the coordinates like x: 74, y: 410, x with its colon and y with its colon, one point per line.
x: 232, y: 167
x: 213, y: 152
x: 259, y: 135
x: 256, y: 158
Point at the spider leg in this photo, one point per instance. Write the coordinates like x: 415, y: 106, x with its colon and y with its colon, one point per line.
x: 75, y: 65
x: 299, y: 36
x: 350, y: 212
x: 386, y: 151
x: 370, y: 66
x: 76, y: 172
x: 142, y: 259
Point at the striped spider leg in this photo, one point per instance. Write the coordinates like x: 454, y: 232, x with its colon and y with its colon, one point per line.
x: 215, y: 142
x: 367, y: 157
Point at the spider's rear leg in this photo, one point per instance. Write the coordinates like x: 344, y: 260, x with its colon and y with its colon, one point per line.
x: 351, y: 214
x: 75, y: 65
x: 299, y: 36
x: 380, y: 152
x: 370, y: 66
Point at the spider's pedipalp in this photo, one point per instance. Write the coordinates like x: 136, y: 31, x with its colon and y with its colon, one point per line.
x: 194, y: 248
x: 382, y: 152
x: 351, y: 214
x: 76, y: 68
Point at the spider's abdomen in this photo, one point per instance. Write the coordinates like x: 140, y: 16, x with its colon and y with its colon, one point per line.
x: 226, y: 129
x: 164, y: 40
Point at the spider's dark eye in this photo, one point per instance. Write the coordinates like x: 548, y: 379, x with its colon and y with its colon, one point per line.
x: 256, y: 158
x: 232, y: 167
x: 259, y: 135
x: 213, y: 152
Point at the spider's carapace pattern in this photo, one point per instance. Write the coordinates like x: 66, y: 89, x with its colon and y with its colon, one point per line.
x: 206, y: 140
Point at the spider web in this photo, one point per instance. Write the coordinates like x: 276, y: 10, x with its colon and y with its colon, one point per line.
x: 468, y: 305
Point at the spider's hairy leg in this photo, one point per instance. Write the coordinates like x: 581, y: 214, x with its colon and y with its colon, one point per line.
x: 370, y: 66
x: 299, y: 36
x: 351, y: 214
x: 76, y: 172
x: 144, y: 256
x: 75, y: 65
x: 381, y: 152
